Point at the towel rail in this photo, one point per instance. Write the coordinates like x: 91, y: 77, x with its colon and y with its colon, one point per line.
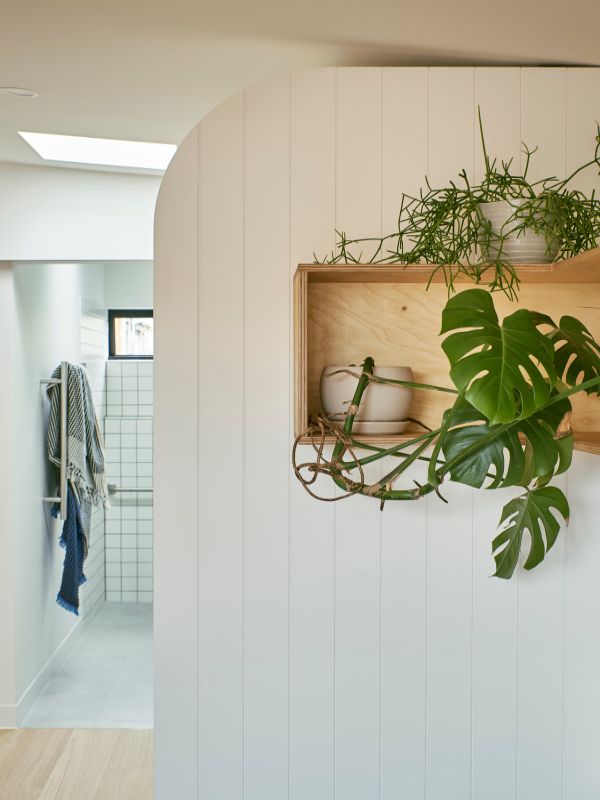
x: 62, y: 495
x: 113, y: 489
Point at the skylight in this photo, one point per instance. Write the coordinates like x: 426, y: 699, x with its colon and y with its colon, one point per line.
x: 101, y: 152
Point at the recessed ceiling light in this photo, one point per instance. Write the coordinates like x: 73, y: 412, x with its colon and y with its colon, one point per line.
x: 17, y: 91
x: 102, y: 152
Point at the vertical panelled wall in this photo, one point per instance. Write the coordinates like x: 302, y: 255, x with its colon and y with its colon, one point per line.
x: 328, y: 651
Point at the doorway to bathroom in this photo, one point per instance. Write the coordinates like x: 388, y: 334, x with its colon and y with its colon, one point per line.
x: 99, y: 672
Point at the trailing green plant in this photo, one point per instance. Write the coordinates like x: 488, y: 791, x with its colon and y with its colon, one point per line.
x: 509, y: 424
x: 445, y: 226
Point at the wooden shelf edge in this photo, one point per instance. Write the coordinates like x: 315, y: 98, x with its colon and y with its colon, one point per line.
x: 588, y: 443
x: 584, y: 268
x: 584, y: 442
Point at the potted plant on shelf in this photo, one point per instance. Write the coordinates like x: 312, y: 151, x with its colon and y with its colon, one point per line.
x: 509, y: 424
x: 384, y: 406
x: 482, y: 230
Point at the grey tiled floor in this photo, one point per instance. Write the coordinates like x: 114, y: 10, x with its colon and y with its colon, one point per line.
x: 107, y: 679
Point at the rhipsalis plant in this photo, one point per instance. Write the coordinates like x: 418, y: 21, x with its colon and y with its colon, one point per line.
x: 445, y: 226
x: 509, y: 424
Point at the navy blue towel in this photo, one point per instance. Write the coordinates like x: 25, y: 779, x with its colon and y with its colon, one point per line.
x: 73, y: 541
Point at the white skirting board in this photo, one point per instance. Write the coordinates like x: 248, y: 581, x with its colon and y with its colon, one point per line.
x: 13, y: 716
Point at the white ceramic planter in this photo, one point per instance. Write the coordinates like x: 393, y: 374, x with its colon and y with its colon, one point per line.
x: 383, y: 407
x: 527, y: 248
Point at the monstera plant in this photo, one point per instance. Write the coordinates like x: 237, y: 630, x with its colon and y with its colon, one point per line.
x: 509, y: 424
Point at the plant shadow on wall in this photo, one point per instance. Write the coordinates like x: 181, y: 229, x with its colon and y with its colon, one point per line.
x: 509, y: 425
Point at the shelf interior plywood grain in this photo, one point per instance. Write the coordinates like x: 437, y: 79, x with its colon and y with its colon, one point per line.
x: 347, y: 312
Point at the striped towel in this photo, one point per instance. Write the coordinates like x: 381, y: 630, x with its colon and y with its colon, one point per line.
x: 85, y: 465
x: 86, y: 476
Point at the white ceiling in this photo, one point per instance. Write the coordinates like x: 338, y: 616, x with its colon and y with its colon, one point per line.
x: 149, y: 69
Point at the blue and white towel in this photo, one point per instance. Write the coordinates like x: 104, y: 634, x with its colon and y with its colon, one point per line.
x: 86, y: 476
x: 73, y: 540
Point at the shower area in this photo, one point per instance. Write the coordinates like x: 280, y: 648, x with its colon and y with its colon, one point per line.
x: 100, y: 672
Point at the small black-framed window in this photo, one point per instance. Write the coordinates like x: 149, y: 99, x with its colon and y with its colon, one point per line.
x: 130, y: 333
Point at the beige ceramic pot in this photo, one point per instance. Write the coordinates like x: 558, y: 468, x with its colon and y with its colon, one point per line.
x: 383, y: 409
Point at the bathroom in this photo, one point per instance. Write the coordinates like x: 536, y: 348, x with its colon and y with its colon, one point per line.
x: 94, y: 668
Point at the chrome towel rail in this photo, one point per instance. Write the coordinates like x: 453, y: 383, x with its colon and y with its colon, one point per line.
x: 62, y: 490
x: 113, y: 488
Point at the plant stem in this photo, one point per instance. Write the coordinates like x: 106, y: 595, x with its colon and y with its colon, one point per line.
x: 382, y: 453
x: 381, y: 493
x: 485, y: 153
x: 432, y: 475
x: 362, y: 384
x: 394, y: 382
x: 397, y: 471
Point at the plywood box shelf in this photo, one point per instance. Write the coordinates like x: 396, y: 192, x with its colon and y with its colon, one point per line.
x: 585, y: 442
x: 346, y: 312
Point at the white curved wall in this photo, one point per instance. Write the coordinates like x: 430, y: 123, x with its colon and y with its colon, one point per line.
x: 314, y: 651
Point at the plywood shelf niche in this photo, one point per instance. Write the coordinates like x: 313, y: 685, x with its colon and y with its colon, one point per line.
x: 348, y: 311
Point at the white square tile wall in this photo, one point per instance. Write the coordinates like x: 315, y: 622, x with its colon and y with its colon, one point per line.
x: 94, y: 352
x: 129, y: 390
x: 128, y: 436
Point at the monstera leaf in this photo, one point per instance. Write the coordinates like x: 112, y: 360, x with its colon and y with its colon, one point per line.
x: 504, y: 370
x: 497, y: 451
x: 531, y: 512
x: 577, y: 355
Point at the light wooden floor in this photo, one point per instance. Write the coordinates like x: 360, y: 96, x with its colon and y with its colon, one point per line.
x: 62, y: 764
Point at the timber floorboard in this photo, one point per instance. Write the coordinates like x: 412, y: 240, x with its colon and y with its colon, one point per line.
x: 62, y: 764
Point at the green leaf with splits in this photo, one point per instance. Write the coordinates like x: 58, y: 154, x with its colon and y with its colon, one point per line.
x: 532, y: 512
x: 576, y: 353
x: 495, y: 452
x: 504, y: 370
